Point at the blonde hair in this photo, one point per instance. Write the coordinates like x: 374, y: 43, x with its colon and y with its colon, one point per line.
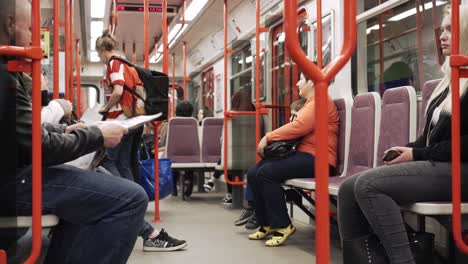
x: 446, y: 80
x: 106, y: 42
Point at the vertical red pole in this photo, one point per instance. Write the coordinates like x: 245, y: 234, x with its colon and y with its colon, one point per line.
x: 173, y: 83
x: 157, y: 216
x: 67, y: 49
x: 72, y: 38
x: 78, y: 78
x: 184, y: 51
x: 56, y: 48
x: 319, y: 34
x: 3, y: 257
x: 146, y: 29
x: 456, y: 151
x: 134, y: 58
x: 257, y: 78
x: 165, y: 59
x: 36, y: 137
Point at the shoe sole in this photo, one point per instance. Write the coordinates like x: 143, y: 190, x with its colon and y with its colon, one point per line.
x: 284, y: 241
x: 243, y: 222
x: 266, y: 236
x: 154, y: 249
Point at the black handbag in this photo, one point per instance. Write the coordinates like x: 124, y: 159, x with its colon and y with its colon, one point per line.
x: 281, y: 149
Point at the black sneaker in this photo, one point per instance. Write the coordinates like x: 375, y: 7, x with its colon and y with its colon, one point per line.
x: 227, y: 200
x: 245, y: 217
x: 252, y: 223
x: 163, y: 242
x: 209, y: 186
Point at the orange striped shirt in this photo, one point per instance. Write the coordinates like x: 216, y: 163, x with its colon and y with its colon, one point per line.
x: 304, y: 126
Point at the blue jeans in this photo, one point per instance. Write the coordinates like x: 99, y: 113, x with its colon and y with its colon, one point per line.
x: 265, y: 179
x: 370, y: 201
x: 125, y: 156
x: 100, y: 215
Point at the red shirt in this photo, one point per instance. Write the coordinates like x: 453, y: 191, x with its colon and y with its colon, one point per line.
x: 119, y: 73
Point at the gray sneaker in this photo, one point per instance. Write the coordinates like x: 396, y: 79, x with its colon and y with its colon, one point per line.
x: 163, y: 242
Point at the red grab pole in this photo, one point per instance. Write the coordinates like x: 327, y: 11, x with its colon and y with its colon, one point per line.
x: 70, y: 43
x: 56, y: 48
x: 146, y: 29
x: 67, y: 49
x: 321, y: 77
x: 78, y: 78
x: 36, y: 135
x: 165, y: 59
x: 184, y: 55
x: 456, y: 61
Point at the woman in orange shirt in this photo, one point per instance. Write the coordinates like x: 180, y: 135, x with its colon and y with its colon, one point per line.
x: 266, y: 177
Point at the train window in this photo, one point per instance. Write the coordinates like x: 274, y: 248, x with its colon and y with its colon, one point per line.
x: 241, y: 74
x: 285, y: 73
x: 403, y: 46
x: 208, y: 89
x: 327, y: 33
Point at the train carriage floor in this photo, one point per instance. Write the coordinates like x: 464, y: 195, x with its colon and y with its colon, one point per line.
x: 208, y: 227
x: 212, y: 237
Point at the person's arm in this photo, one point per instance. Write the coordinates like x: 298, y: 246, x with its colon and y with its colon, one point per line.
x: 302, y: 125
x: 57, y: 147
x: 420, y: 142
x: 441, y: 151
x: 114, y: 98
x: 52, y: 113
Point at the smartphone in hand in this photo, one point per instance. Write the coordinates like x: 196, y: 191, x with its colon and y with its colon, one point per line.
x: 390, y: 155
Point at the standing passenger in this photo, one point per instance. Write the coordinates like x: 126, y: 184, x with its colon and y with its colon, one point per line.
x: 125, y: 156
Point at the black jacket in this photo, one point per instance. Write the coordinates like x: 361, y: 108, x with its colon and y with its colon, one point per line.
x: 439, y: 146
x: 57, y: 147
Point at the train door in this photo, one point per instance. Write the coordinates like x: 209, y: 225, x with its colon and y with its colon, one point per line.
x: 208, y: 90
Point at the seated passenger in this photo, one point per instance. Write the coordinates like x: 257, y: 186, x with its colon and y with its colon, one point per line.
x: 184, y: 109
x: 248, y: 217
x: 369, y: 202
x: 267, y: 176
x: 124, y: 157
x: 99, y: 216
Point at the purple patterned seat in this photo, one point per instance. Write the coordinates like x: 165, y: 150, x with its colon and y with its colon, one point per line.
x: 398, y: 119
x: 183, y: 146
x: 344, y: 110
x: 212, y: 129
x: 427, y: 90
x: 365, y: 117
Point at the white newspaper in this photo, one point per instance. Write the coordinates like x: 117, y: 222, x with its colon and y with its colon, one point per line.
x: 132, y: 122
x: 93, y: 117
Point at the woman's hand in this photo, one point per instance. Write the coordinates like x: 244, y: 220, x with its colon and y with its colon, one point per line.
x: 103, y: 110
x: 405, y: 156
x: 69, y: 129
x: 261, y: 146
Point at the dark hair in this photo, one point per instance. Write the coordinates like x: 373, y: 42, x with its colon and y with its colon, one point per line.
x: 184, y: 109
x: 298, y: 104
x: 106, y: 42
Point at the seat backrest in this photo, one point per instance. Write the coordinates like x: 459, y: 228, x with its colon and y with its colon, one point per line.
x: 343, y: 107
x: 212, y: 129
x: 397, y: 119
x: 427, y: 90
x: 182, y: 145
x: 365, y: 116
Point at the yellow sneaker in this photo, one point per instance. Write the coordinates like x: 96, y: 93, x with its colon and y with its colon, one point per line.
x: 280, y: 236
x: 262, y: 233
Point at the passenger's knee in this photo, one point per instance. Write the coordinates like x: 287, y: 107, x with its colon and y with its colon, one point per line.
x: 252, y: 175
x: 365, y: 185
x: 346, y: 189
x: 139, y: 198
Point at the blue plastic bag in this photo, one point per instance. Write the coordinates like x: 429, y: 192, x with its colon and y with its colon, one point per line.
x: 165, y: 177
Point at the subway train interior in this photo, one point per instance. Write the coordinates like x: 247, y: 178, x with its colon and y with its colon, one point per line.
x: 286, y: 131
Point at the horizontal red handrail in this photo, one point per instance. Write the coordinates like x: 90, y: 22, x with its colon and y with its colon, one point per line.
x: 28, y: 52
x: 456, y: 61
x: 321, y: 77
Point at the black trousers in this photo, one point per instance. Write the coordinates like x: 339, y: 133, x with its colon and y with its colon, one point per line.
x: 266, y: 178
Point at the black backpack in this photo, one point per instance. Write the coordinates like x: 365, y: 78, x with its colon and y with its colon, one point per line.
x: 156, y: 85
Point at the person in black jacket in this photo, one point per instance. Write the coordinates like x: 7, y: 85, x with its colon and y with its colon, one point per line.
x: 369, y: 202
x: 100, y: 216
